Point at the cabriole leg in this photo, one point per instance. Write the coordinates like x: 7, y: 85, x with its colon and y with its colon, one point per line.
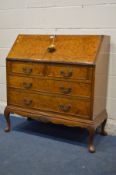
x: 7, y: 117
x: 91, y: 146
x: 29, y: 119
x: 103, y: 132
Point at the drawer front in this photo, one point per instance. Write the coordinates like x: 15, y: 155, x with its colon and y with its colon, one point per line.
x: 75, y: 107
x: 53, y: 70
x: 26, y: 68
x: 69, y: 72
x: 51, y: 86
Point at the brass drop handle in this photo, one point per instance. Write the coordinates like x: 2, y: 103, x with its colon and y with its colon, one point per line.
x: 51, y: 48
x: 64, y: 108
x: 27, y: 102
x: 66, y: 74
x: 27, y: 85
x: 65, y: 90
x: 27, y: 70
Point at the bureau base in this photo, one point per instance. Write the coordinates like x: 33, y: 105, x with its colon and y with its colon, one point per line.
x: 90, y: 125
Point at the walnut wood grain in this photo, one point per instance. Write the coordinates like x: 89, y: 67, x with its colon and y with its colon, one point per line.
x: 69, y: 48
x: 61, y: 87
x: 46, y: 102
x: 67, y: 86
x: 101, y: 78
x: 54, y: 117
x: 50, y: 70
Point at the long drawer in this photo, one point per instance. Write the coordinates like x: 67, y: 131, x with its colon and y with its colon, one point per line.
x: 50, y: 70
x: 43, y: 102
x: 50, y: 86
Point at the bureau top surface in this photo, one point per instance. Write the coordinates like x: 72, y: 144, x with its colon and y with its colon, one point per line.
x: 68, y: 48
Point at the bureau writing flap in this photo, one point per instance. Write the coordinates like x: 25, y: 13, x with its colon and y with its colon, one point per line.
x: 68, y: 48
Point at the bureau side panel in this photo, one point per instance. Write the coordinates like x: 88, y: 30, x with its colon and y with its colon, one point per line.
x: 101, y: 77
x: 7, y: 81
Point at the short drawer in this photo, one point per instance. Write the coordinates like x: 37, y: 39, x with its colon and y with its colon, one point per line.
x: 69, y: 72
x: 51, y: 86
x: 75, y: 107
x: 50, y: 70
x: 25, y: 68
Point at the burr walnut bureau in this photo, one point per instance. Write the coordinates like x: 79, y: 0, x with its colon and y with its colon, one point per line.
x: 60, y: 79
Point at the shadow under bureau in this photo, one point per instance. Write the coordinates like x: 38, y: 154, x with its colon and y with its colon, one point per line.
x: 60, y: 79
